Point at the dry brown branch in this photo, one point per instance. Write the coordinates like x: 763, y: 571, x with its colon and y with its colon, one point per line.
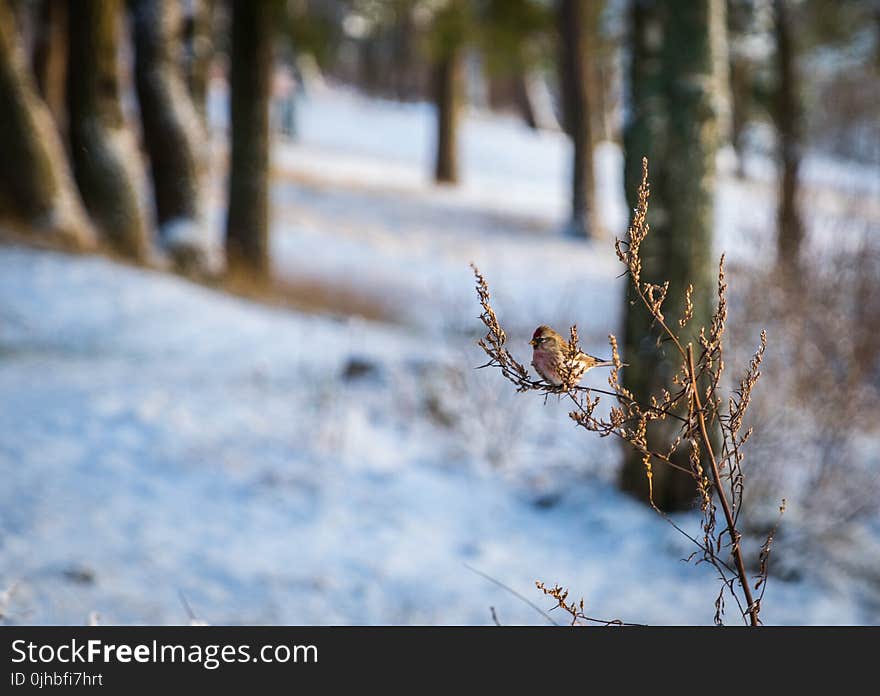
x: 692, y: 399
x: 576, y: 609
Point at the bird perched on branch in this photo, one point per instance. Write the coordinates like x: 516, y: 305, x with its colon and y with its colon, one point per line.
x: 549, y: 353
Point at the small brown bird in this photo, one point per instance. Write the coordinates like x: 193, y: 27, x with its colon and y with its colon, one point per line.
x: 549, y: 350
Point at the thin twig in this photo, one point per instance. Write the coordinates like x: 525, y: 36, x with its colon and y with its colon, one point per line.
x: 513, y: 592
x: 736, y: 548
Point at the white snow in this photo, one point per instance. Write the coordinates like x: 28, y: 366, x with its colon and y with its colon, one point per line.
x: 162, y: 438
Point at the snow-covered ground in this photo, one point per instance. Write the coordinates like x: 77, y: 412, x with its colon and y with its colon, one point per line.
x: 161, y: 438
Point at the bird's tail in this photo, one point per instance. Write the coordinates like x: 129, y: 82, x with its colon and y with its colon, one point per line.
x: 609, y: 363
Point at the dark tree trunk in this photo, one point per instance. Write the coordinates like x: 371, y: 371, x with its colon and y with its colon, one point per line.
x: 600, y: 58
x: 36, y: 186
x: 447, y: 86
x: 500, y: 91
x: 741, y: 97
x: 448, y: 37
x: 199, y: 47
x: 575, y: 69
x: 741, y: 18
x: 512, y: 90
x: 407, y: 75
x: 370, y: 66
x: 597, y: 91
x: 172, y: 132
x: 50, y: 57
x: 247, y: 227
x: 673, y: 120
x: 788, y: 117
x: 523, y: 97
x: 877, y: 37
x: 106, y: 160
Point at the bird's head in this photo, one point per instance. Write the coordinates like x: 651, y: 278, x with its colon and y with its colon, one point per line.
x: 545, y: 337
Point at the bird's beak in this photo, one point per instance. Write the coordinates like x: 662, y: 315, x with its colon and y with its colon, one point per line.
x: 533, y: 343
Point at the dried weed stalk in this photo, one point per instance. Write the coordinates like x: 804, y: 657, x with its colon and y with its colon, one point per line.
x: 576, y: 609
x: 692, y: 400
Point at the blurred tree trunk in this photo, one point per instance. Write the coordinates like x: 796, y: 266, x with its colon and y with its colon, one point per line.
x: 36, y: 185
x: 49, y: 57
x: 370, y: 66
x: 597, y: 89
x: 247, y: 226
x: 741, y: 28
x: 673, y: 120
x: 600, y: 62
x: 499, y: 91
x: 447, y: 97
x: 523, y: 96
x: 644, y: 136
x: 788, y: 119
x: 405, y: 39
x: 877, y: 36
x: 449, y: 29
x: 171, y: 132
x: 199, y: 51
x: 512, y: 90
x: 106, y: 160
x: 741, y: 98
x: 574, y: 61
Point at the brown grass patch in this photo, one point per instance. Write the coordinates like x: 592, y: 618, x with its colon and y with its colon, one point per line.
x: 310, y: 295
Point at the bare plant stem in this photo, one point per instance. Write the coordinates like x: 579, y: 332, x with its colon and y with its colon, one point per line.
x: 683, y: 401
x: 735, y: 547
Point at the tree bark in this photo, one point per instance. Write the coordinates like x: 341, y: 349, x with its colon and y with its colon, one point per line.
x: 106, y: 160
x: 36, y: 185
x: 788, y: 117
x: 198, y: 39
x: 448, y: 38
x: 447, y: 97
x: 673, y: 120
x: 247, y: 227
x: 575, y: 71
x: 407, y: 76
x: 740, y: 89
x: 172, y: 133
x: 741, y: 71
x: 49, y: 57
x: 523, y: 96
x: 597, y: 89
